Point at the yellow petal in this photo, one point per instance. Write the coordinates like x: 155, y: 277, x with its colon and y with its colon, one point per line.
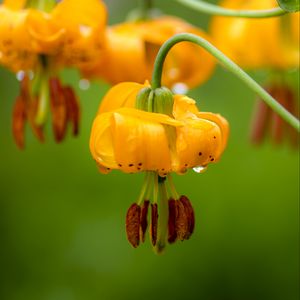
x: 184, y: 107
x: 257, y: 43
x: 15, y: 40
x: 221, y: 122
x: 123, y: 58
x: 198, y: 144
x: 84, y: 22
x: 73, y: 14
x: 14, y: 4
x: 47, y: 34
x: 136, y: 143
x: 101, y: 141
x: 128, y: 139
x: 186, y: 63
x: 121, y: 95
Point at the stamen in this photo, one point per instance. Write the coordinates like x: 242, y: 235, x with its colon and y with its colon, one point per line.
x: 154, y: 221
x: 133, y: 224
x: 145, y: 185
x: 181, y: 224
x: 174, y: 193
x: 190, y: 215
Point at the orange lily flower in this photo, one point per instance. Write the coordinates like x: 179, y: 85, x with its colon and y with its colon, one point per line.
x: 258, y: 43
x: 271, y: 43
x: 133, y: 140
x: 137, y: 43
x: 34, y: 44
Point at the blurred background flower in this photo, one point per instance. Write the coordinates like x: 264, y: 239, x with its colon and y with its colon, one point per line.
x: 62, y: 224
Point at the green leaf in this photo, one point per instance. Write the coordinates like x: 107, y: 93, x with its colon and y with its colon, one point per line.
x: 289, y: 5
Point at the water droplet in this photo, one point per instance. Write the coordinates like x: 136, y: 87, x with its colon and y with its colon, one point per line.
x: 180, y: 88
x: 85, y: 30
x: 200, y: 169
x: 84, y: 84
x: 20, y: 75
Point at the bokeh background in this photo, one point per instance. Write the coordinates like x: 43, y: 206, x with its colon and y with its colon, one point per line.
x: 62, y: 233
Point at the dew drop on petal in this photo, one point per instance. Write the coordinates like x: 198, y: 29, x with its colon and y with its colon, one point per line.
x: 20, y: 75
x: 85, y: 30
x: 199, y: 169
x: 84, y: 84
x: 180, y: 88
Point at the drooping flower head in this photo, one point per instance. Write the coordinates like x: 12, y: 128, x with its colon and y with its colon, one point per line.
x: 132, y: 47
x: 35, y: 42
x: 271, y: 44
x: 138, y: 129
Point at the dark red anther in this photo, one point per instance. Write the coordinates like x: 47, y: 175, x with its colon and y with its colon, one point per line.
x: 181, y: 224
x: 133, y: 224
x: 59, y: 109
x: 18, y: 122
x: 277, y: 123
x: 190, y: 215
x: 73, y: 109
x: 293, y: 107
x: 154, y: 221
x: 260, y: 122
x: 172, y: 235
x: 144, y: 221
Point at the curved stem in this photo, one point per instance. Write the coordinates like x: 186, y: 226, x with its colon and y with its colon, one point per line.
x: 228, y: 64
x: 212, y: 9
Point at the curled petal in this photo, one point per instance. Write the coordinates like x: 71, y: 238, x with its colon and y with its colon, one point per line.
x: 121, y: 95
x: 46, y: 33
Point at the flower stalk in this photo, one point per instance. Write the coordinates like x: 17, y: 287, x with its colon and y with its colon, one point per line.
x: 216, y: 10
x: 228, y: 64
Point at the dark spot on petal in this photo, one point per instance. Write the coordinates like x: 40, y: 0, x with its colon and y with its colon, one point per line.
x: 130, y: 165
x: 212, y: 159
x: 138, y: 168
x: 186, y: 165
x: 200, y: 153
x: 214, y: 137
x: 119, y: 165
x: 140, y: 164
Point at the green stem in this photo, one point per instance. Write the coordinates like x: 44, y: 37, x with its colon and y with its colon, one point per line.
x: 43, y: 101
x: 212, y: 9
x: 144, y: 7
x: 228, y: 64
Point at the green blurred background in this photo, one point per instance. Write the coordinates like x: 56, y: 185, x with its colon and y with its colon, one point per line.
x: 62, y: 231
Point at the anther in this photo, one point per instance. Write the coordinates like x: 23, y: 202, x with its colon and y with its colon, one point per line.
x: 154, y: 221
x: 133, y: 224
x: 144, y: 221
x: 190, y: 215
